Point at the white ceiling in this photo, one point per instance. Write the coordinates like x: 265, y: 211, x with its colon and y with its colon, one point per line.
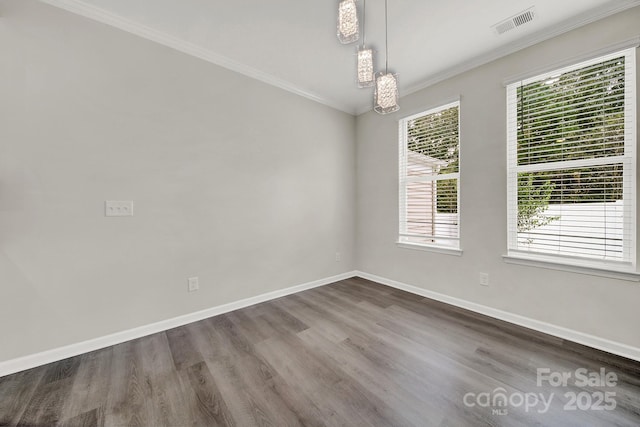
x: 292, y: 43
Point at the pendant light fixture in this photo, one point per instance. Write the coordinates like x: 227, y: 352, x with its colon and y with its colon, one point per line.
x: 385, y: 98
x: 348, y: 26
x: 365, y: 56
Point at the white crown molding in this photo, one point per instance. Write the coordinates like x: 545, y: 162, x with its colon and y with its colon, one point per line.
x: 92, y: 12
x: 97, y: 14
x: 38, y: 359
x: 599, y: 343
x: 515, y: 46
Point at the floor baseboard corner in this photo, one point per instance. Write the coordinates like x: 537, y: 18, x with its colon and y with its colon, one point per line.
x: 593, y: 341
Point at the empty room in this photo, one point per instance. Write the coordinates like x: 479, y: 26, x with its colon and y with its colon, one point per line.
x: 319, y: 213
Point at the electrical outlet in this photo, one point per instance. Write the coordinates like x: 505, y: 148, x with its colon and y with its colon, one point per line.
x: 338, y: 258
x: 118, y: 208
x: 484, y: 279
x: 194, y: 284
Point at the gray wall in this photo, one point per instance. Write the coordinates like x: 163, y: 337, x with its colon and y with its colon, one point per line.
x: 249, y: 187
x: 602, y: 307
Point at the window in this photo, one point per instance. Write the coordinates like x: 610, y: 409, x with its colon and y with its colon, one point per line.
x: 571, y: 164
x: 429, y: 178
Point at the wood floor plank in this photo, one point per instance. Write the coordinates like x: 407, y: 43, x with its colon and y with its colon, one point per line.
x: 305, y: 313
x: 292, y: 394
x: 183, y: 350
x: 255, y: 372
x: 90, y: 385
x: 241, y: 403
x: 254, y: 331
x: 127, y: 403
x: 315, y: 381
x: 371, y: 377
x: 376, y: 296
x: 398, y: 346
x: 350, y: 353
x: 45, y: 406
x: 92, y: 418
x: 323, y: 376
x: 212, y: 409
x: 166, y: 397
x: 222, y: 363
x: 15, y: 391
x: 63, y: 369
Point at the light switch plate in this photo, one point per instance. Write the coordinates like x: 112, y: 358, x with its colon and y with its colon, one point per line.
x: 118, y: 208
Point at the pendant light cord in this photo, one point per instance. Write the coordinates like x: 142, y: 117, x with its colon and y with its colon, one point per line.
x: 386, y: 40
x: 364, y: 25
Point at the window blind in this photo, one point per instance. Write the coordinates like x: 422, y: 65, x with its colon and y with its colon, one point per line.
x: 571, y: 163
x: 429, y: 177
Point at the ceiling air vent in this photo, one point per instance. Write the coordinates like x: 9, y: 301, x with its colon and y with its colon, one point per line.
x: 515, y: 21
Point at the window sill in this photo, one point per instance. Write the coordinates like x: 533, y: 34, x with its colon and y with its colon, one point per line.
x: 558, y: 265
x: 427, y: 248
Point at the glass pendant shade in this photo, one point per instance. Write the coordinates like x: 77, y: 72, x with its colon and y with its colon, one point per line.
x: 386, y: 93
x: 348, y: 26
x: 365, y: 67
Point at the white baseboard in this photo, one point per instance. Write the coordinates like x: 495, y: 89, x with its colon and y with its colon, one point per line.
x: 56, y: 354
x: 617, y: 348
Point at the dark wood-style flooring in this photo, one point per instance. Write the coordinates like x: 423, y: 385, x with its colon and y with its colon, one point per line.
x: 353, y: 353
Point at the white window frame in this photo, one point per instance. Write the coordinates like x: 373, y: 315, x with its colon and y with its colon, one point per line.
x: 578, y: 264
x: 450, y: 249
